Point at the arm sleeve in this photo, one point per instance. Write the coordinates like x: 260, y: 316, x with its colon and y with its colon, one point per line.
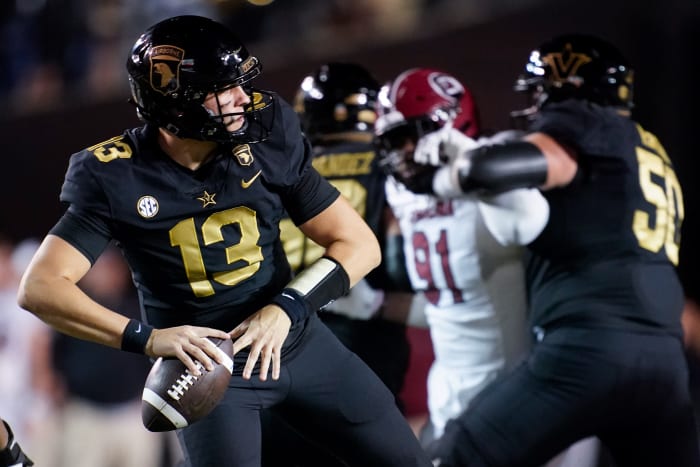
x: 88, y: 233
x: 516, y: 217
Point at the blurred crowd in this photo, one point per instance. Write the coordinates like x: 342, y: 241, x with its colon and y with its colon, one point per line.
x: 71, y: 402
x: 61, y: 52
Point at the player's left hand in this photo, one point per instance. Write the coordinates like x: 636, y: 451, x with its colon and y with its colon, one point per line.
x: 264, y: 331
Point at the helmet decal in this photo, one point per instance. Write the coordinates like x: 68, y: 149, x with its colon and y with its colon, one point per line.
x: 165, y: 68
x: 575, y: 66
x: 446, y: 86
x: 248, y: 64
x: 565, y: 65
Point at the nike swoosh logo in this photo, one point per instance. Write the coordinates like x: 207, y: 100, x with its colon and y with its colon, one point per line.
x: 246, y: 183
x: 138, y: 330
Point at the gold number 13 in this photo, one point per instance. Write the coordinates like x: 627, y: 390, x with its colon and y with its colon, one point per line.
x: 667, y: 200
x: 184, y: 236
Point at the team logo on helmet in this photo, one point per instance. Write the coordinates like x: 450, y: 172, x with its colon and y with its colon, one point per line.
x: 446, y: 86
x: 165, y: 68
x: 565, y: 65
x: 243, y: 154
x: 248, y: 64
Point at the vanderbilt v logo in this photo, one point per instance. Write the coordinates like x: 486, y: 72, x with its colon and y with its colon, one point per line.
x: 565, y: 64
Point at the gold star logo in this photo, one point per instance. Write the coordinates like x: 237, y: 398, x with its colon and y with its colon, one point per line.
x: 207, y: 199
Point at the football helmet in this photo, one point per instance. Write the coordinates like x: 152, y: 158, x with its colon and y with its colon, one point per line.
x: 420, y: 101
x: 177, y: 62
x: 336, y: 98
x: 576, y: 66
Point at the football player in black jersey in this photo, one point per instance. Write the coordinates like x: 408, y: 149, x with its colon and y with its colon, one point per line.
x: 336, y: 104
x: 11, y: 454
x: 194, y: 199
x: 605, y: 300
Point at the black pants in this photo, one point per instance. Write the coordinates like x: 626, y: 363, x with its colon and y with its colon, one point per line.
x: 382, y: 345
x: 630, y: 390
x: 325, y: 392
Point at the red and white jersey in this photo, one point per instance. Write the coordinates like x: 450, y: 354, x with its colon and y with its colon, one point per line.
x: 465, y: 256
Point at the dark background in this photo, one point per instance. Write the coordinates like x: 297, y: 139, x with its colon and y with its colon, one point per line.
x: 660, y: 38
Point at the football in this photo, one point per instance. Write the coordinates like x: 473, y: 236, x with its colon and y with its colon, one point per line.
x: 174, y: 398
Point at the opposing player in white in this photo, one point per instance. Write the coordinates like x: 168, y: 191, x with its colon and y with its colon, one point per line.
x: 463, y: 254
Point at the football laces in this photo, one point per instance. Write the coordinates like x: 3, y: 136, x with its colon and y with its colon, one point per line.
x: 184, y: 382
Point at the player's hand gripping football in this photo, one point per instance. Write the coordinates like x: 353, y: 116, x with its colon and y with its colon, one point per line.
x: 264, y: 331
x: 188, y: 344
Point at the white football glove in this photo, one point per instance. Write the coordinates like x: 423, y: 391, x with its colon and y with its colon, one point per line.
x: 362, y: 302
x: 442, y: 146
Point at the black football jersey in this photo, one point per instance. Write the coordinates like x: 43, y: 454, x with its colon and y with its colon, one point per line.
x: 203, y: 245
x: 607, y: 255
x: 352, y: 167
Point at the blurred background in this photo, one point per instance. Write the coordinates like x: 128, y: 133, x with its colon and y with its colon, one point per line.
x: 63, y: 87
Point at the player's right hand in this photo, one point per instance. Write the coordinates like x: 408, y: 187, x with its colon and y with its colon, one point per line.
x: 264, y: 331
x: 442, y: 146
x: 188, y: 344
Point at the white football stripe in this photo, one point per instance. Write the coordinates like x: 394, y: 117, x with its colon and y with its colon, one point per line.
x: 225, y: 359
x: 163, y: 407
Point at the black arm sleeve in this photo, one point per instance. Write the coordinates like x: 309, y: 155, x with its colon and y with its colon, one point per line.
x: 88, y: 233
x: 502, y: 167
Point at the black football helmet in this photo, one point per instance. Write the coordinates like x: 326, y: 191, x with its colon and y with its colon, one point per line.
x: 176, y: 63
x: 576, y: 66
x: 337, y: 98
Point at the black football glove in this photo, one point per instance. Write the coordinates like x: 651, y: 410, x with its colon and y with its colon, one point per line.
x: 13, y: 454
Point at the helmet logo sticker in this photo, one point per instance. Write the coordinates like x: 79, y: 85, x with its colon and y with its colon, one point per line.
x: 446, y: 86
x: 165, y: 68
x: 243, y: 154
x: 565, y: 64
x: 248, y: 64
x: 147, y: 206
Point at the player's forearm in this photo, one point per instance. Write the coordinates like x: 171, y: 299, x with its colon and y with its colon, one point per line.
x: 358, y: 255
x: 66, y: 308
x: 493, y: 169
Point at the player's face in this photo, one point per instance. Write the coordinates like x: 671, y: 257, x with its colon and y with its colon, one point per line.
x: 229, y: 102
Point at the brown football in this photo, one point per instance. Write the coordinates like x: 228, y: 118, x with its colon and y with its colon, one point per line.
x: 174, y: 398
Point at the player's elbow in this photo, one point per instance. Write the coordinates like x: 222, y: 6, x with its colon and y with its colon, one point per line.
x: 28, y: 293
x: 32, y: 294
x: 369, y: 252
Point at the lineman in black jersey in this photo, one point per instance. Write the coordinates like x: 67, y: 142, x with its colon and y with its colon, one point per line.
x: 605, y: 300
x: 336, y: 104
x: 194, y: 199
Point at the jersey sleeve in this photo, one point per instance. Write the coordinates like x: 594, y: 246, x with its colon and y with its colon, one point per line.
x: 515, y: 217
x: 589, y: 129
x: 309, y: 197
x: 286, y: 158
x: 81, y: 189
x: 85, y: 224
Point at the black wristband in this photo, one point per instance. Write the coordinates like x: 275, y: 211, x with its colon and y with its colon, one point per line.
x: 293, y: 304
x: 313, y: 288
x: 136, y: 336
